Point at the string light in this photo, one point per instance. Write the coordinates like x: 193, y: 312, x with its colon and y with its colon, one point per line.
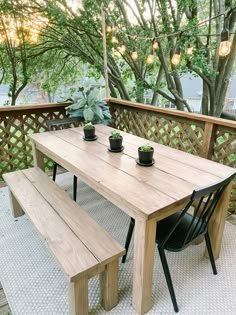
x: 224, y: 48
x: 122, y: 48
x: 175, y: 60
x: 114, y: 40
x: 189, y: 50
x: 134, y: 54
x: 202, y: 23
x: 154, y: 44
x: 113, y: 28
x: 150, y: 58
x: 109, y: 29
x: 225, y: 45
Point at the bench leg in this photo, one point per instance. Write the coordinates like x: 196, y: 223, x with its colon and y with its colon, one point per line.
x: 16, y: 209
x: 109, y: 286
x: 78, y: 297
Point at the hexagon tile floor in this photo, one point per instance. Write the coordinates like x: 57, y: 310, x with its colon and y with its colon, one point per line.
x: 34, y: 284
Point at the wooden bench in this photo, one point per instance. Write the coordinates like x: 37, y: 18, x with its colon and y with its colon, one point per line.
x: 82, y: 247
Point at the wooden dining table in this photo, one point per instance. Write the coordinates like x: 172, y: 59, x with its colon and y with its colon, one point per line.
x: 148, y: 194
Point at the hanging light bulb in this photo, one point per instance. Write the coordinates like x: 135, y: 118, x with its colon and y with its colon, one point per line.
x: 189, y: 50
x: 122, y: 48
x: 175, y: 60
x: 114, y: 39
x: 134, y: 54
x: 109, y: 29
x: 225, y: 45
x: 113, y: 28
x: 150, y: 58
x: 154, y: 44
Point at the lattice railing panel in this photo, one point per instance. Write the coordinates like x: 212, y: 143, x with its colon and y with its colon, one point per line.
x: 182, y: 131
x: 225, y: 153
x: 15, y: 144
x: 179, y: 134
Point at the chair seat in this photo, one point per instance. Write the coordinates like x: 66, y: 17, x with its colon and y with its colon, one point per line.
x: 179, y: 230
x: 177, y: 242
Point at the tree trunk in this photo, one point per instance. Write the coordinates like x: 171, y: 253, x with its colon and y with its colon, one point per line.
x: 13, y: 100
x: 158, y: 81
x: 212, y: 100
x: 155, y: 98
x: 139, y: 91
x: 227, y: 115
x: 221, y: 100
x: 205, y: 98
x: 112, y: 90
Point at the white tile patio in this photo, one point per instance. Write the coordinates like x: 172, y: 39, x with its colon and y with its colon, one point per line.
x: 34, y: 284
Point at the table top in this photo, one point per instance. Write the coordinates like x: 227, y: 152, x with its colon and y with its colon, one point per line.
x: 147, y: 192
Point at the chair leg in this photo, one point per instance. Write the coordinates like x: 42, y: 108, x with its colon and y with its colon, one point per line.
x: 211, y: 256
x: 168, y: 278
x: 75, y: 188
x: 128, y: 239
x: 54, y: 171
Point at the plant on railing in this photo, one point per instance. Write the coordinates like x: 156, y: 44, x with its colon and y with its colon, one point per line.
x: 89, y: 106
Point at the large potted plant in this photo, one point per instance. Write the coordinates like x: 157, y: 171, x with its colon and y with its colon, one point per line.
x: 89, y: 106
x: 115, y: 141
x: 145, y: 155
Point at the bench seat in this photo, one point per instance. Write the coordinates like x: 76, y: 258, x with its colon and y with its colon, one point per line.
x: 82, y: 247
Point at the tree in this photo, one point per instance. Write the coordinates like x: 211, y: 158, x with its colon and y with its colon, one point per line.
x: 14, y: 46
x: 56, y: 70
x: 78, y: 34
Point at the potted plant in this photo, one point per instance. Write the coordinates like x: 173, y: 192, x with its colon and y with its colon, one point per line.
x: 145, y: 154
x: 89, y: 131
x: 115, y: 140
x: 89, y: 106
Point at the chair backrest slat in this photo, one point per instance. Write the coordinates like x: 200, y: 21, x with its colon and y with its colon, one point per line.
x: 59, y: 124
x: 204, y: 201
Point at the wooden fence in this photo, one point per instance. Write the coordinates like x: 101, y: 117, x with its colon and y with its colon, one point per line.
x: 208, y: 137
x: 16, y: 124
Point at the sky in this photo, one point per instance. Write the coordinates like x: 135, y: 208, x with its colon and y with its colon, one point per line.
x: 75, y: 4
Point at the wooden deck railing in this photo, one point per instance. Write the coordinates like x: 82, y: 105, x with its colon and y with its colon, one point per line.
x: 16, y: 124
x: 208, y: 137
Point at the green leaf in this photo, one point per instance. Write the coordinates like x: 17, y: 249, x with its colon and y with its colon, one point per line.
x: 88, y: 114
x: 92, y: 97
x: 80, y: 104
x: 98, y: 112
x: 76, y: 113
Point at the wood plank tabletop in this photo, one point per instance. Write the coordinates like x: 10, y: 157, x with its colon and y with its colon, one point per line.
x: 146, y: 191
x: 148, y: 194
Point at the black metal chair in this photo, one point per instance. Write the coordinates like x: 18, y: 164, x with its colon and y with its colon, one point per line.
x: 59, y: 124
x: 179, y: 230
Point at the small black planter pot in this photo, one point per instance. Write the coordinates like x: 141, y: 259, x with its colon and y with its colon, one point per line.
x: 89, y: 133
x: 115, y: 144
x: 145, y: 157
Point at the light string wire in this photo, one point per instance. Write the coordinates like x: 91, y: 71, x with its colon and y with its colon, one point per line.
x: 224, y: 48
x: 225, y: 14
